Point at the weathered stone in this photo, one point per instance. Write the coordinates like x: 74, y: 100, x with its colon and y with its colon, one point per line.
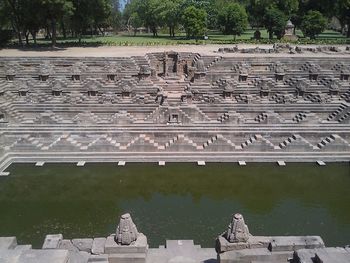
x: 126, y: 232
x: 291, y: 243
x: 41, y: 256
x: 237, y: 230
x: 67, y: 245
x: 83, y: 244
x: 8, y: 242
x: 138, y: 246
x: 98, y: 246
x: 52, y: 241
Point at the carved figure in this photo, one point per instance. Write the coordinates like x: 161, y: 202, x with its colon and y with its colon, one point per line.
x: 126, y: 232
x: 237, y: 230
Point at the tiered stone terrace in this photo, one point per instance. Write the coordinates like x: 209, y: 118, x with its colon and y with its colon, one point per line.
x: 174, y: 107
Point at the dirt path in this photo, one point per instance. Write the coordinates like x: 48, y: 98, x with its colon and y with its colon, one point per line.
x: 142, y: 50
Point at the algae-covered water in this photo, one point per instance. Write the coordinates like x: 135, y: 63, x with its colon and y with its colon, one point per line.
x: 178, y: 201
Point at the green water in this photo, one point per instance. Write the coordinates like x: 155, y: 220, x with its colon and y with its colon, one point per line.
x: 179, y: 201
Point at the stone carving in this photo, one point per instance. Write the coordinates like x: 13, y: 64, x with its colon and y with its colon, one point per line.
x: 228, y: 88
x: 200, y: 67
x: 334, y: 87
x: 145, y: 72
x: 265, y: 86
x: 10, y: 74
x: 289, y: 32
x: 243, y: 70
x: 112, y: 71
x: 302, y: 86
x: 280, y: 71
x: 237, y: 230
x: 126, y: 232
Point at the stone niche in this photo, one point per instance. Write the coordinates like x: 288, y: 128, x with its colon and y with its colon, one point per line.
x: 314, y: 72
x: 113, y: 70
x: 200, y: 70
x: 243, y: 71
x: 10, y: 74
x: 145, y: 72
x: 265, y: 87
x: 228, y: 88
x: 44, y: 74
x: 302, y: 87
x: 334, y: 88
x: 280, y: 72
x: 170, y: 64
x: 345, y: 75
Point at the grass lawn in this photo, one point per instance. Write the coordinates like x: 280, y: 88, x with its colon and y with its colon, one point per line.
x: 214, y: 37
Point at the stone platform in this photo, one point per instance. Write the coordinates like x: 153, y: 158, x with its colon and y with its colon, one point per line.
x: 175, y: 106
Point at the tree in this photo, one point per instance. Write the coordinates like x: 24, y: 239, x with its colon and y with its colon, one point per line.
x: 342, y: 8
x: 82, y: 17
x: 135, y: 22
x: 233, y: 19
x: 15, y: 8
x: 288, y: 7
x: 150, y: 12
x: 171, y: 14
x: 275, y: 22
x: 33, y: 18
x: 313, y: 24
x: 101, y: 10
x: 55, y: 10
x: 194, y: 21
x: 256, y: 10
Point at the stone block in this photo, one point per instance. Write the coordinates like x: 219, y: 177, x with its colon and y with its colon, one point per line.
x: 98, y: 246
x: 8, y: 242
x: 254, y: 254
x: 223, y: 245
x: 23, y: 247
x: 44, y: 256
x: 291, y: 243
x: 127, y: 258
x: 83, y: 244
x: 52, y: 241
x: 9, y: 255
x: 68, y: 245
x: 139, y: 246
x: 98, y: 259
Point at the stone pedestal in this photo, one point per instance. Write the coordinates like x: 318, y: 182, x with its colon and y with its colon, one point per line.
x: 135, y: 252
x: 138, y: 246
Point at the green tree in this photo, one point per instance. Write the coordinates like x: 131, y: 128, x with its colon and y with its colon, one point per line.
x: 150, y: 12
x: 55, y: 10
x: 15, y: 12
x: 101, y: 10
x: 82, y: 17
x: 33, y: 18
x: 135, y: 22
x: 233, y: 19
x: 275, y: 22
x: 313, y: 24
x: 256, y: 11
x: 288, y: 7
x: 171, y: 14
x: 194, y: 21
x: 342, y: 9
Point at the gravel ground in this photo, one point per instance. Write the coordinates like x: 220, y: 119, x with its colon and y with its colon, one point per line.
x: 105, y: 51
